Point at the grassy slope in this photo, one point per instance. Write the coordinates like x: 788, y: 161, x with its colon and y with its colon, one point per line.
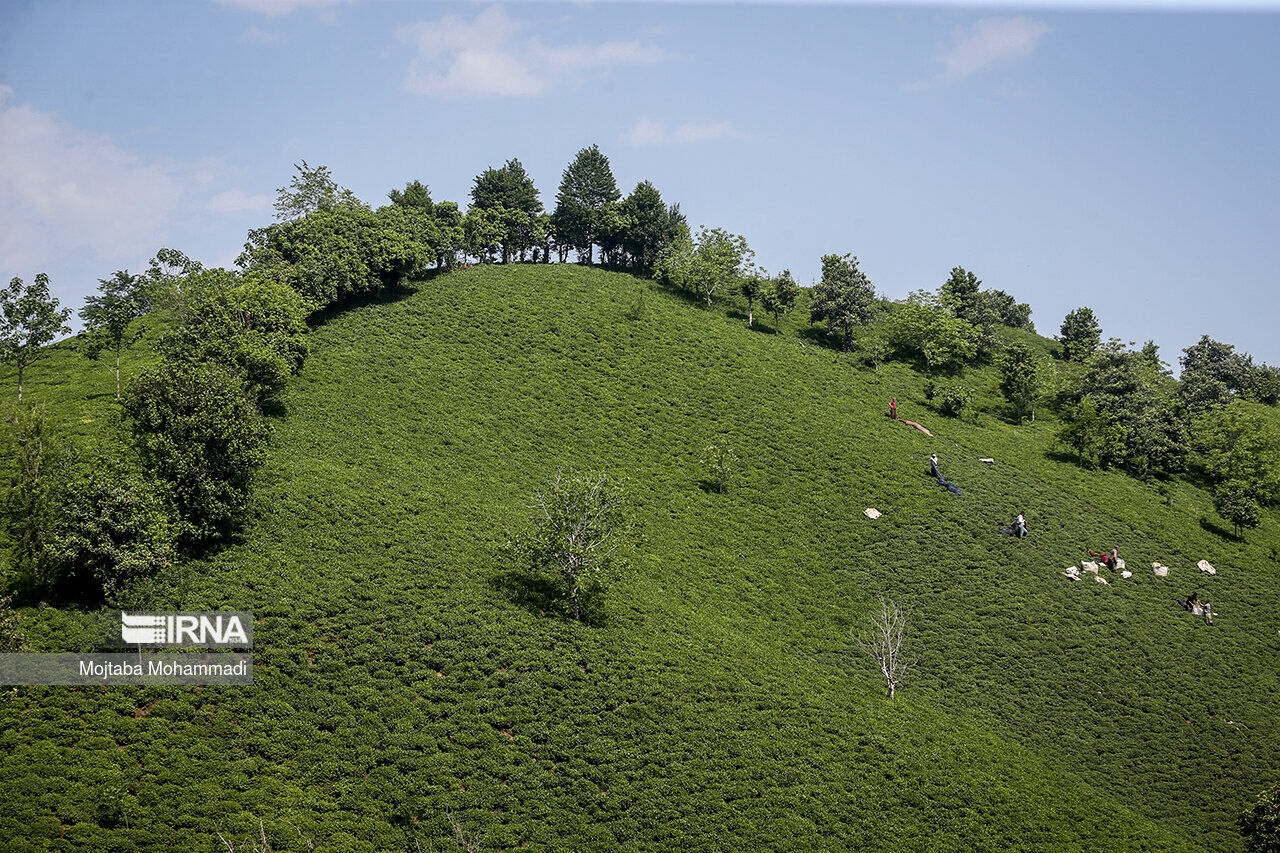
x: 403, y: 673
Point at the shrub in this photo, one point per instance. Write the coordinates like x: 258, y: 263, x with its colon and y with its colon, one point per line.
x: 579, y: 528
x: 1260, y: 825
x: 201, y: 434
x: 116, y: 528
x: 950, y: 398
x: 720, y: 464
x: 252, y: 324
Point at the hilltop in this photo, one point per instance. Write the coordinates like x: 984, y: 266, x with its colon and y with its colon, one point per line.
x: 405, y: 674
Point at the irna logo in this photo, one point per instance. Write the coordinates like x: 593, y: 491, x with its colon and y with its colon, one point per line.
x: 187, y: 629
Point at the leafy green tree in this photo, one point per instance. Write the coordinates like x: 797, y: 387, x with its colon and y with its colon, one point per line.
x: 200, y: 433
x: 1235, y: 444
x: 36, y: 467
x: 1014, y: 314
x: 1080, y: 334
x: 959, y: 292
x: 1212, y: 372
x: 509, y: 191
x: 718, y: 262
x: 1022, y: 379
x: 450, y: 227
x: 121, y: 300
x: 339, y: 252
x: 29, y: 319
x: 653, y: 225
x: 485, y: 231
x: 586, y: 187
x: 1237, y: 502
x: 310, y: 191
x: 116, y: 528
x: 415, y: 196
x: 1260, y: 825
x: 1093, y: 434
x: 675, y: 265
x: 921, y: 326
x: 251, y: 325
x: 844, y: 299
x: 580, y: 526
x: 779, y: 298
x: 1264, y: 384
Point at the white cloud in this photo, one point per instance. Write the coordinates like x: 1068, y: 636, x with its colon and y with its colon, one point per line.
x: 66, y: 193
x: 991, y: 41
x: 493, y: 55
x: 648, y: 131
x: 237, y: 201
x: 276, y: 8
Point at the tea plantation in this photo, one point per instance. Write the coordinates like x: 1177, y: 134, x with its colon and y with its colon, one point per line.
x: 410, y: 681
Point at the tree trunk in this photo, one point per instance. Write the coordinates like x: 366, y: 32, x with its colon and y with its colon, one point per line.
x: 890, y: 689
x: 117, y: 375
x: 20, y: 383
x: 751, y: 313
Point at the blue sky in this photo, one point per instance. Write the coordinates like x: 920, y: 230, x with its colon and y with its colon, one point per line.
x: 1120, y: 159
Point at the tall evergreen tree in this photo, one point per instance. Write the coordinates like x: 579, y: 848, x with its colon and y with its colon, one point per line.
x: 586, y: 189
x: 510, y: 195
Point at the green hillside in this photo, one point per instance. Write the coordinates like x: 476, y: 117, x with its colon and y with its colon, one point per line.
x: 408, y: 679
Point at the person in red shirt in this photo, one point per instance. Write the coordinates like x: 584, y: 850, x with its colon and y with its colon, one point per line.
x: 893, y: 408
x: 1108, y: 560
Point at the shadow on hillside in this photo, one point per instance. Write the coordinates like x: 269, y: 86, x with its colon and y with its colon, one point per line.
x: 1210, y: 527
x: 540, y: 596
x: 382, y: 296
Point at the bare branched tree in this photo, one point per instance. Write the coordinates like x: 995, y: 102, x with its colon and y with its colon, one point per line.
x: 883, y: 636
x: 579, y: 524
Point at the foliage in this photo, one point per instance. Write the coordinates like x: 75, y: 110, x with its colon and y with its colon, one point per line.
x: 751, y: 287
x: 1079, y: 335
x: 340, y: 251
x: 844, y: 299
x: 1260, y: 824
x: 1093, y: 434
x: 509, y: 196
x: 579, y: 528
x: 1264, y: 384
x: 921, y: 327
x: 779, y: 297
x: 1237, y: 502
x: 719, y: 259
x: 11, y: 635
x: 29, y: 319
x: 1236, y: 445
x: 37, y: 466
x: 248, y: 324
x: 201, y: 434
x: 115, y: 529
x: 416, y: 196
x: 122, y: 299
x: 587, y: 187
x: 1212, y: 372
x: 951, y: 398
x: 310, y: 191
x: 653, y: 225
x: 1022, y: 379
x: 720, y: 464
